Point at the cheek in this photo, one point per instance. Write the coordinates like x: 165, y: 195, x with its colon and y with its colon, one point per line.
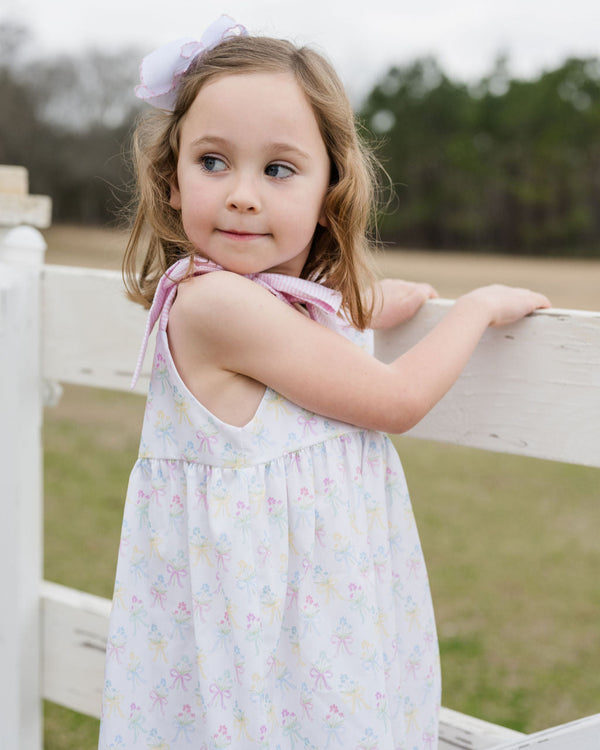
x: 199, y: 214
x: 196, y: 202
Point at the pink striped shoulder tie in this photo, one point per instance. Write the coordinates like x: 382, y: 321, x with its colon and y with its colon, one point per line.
x: 322, y: 303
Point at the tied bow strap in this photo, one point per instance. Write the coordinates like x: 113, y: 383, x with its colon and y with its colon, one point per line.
x: 322, y: 303
x: 161, y: 70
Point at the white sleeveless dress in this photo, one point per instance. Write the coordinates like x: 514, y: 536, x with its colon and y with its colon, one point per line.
x: 271, y: 590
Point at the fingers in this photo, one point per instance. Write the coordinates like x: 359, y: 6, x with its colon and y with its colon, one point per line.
x: 428, y: 291
x: 504, y: 304
x: 534, y: 300
x: 516, y: 303
x: 400, y: 300
x: 542, y: 302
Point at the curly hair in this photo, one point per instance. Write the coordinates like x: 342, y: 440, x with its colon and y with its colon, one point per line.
x: 340, y: 254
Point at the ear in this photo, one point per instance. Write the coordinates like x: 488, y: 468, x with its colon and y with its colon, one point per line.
x: 322, y: 220
x: 175, y: 197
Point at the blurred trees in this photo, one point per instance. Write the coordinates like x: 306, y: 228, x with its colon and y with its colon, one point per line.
x: 497, y: 165
x: 68, y: 119
x: 504, y: 165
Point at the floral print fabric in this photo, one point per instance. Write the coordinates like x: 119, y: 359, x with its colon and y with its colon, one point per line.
x: 271, y: 590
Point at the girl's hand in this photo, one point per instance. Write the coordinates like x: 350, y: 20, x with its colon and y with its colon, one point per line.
x: 505, y: 304
x: 398, y: 301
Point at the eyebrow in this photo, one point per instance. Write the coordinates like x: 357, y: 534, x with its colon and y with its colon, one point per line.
x: 209, y: 140
x: 275, y: 146
x: 289, y: 147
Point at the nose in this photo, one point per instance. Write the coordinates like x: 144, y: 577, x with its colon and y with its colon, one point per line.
x: 243, y: 195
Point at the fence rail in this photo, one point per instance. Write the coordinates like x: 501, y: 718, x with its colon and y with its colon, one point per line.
x: 531, y: 389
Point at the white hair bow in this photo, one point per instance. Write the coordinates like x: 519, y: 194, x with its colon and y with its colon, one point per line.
x: 161, y: 70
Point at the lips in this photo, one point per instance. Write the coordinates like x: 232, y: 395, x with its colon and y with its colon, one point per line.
x: 236, y: 234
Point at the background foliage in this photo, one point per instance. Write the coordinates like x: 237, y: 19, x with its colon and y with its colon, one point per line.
x: 68, y: 121
x: 499, y: 164
x: 504, y: 165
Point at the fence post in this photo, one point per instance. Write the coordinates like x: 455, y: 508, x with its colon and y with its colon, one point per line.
x: 21, y: 507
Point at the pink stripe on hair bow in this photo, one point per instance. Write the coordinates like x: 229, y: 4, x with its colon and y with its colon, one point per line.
x: 322, y: 303
x: 161, y: 70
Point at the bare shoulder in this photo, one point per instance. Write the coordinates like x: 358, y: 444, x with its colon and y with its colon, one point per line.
x: 223, y: 315
x: 218, y: 296
x: 210, y: 332
x: 206, y: 293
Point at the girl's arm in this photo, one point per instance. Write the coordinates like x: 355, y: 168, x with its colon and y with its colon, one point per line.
x: 239, y: 327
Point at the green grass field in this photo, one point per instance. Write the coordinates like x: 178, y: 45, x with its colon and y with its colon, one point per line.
x: 511, y: 546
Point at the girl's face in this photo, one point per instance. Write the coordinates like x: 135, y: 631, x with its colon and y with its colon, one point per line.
x: 252, y: 173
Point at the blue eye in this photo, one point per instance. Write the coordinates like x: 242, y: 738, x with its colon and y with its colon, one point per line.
x: 213, y: 164
x: 279, y: 170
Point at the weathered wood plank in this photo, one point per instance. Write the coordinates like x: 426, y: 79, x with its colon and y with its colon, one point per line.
x: 92, y: 332
x: 21, y: 516
x: 583, y: 734
x: 74, y: 632
x: 468, y: 733
x: 532, y: 388
x: 34, y: 210
x: 14, y: 180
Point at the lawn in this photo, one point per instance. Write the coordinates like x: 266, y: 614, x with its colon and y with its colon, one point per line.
x: 511, y: 543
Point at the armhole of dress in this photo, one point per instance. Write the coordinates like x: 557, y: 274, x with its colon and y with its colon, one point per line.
x: 163, y: 319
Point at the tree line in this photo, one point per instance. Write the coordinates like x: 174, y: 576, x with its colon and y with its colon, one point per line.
x: 68, y: 119
x: 501, y: 164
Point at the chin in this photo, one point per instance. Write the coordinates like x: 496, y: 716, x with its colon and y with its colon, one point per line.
x: 242, y: 268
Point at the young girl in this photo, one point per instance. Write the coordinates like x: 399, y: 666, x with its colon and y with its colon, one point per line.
x: 271, y: 590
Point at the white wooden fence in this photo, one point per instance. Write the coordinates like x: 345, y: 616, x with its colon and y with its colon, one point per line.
x: 532, y: 389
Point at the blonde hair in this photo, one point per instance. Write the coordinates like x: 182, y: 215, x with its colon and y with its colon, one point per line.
x: 340, y: 251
